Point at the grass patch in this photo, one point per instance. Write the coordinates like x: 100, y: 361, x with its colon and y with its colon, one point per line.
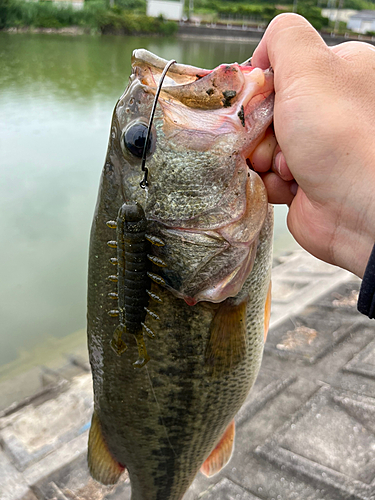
x: 128, y: 17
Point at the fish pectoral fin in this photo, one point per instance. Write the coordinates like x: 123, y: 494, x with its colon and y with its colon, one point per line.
x: 221, y: 454
x: 226, y: 347
x: 102, y: 466
x: 267, y: 311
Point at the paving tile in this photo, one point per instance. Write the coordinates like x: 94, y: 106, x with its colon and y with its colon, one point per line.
x: 20, y: 387
x: 121, y: 492
x: 268, y: 385
x: 31, y: 386
x: 57, y: 460
x: 267, y: 482
x: 227, y: 490
x: 285, y: 290
x: 343, y: 298
x: 12, y: 484
x: 308, y: 337
x: 73, y: 482
x: 37, y: 430
x: 301, y: 263
x: 291, y: 293
x: 363, y: 363
x: 331, y: 441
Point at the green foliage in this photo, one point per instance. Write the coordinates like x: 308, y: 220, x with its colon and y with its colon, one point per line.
x: 5, y: 12
x: 127, y: 23
x: 48, y: 15
x: 136, y: 6
x: 236, y: 10
x: 312, y: 14
x: 359, y: 4
x: 16, y: 13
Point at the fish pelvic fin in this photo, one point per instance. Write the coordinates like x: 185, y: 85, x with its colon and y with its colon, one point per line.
x: 102, y: 466
x: 267, y: 311
x: 221, y: 454
x: 226, y: 347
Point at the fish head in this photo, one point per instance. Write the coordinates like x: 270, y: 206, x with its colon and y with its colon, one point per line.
x: 202, y: 200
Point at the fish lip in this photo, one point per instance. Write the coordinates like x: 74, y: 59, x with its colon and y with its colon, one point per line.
x: 143, y: 56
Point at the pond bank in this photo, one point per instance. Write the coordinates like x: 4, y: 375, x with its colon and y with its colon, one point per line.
x: 247, y: 33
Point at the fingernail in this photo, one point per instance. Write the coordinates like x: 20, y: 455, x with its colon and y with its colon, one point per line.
x: 294, y: 188
x: 278, y: 162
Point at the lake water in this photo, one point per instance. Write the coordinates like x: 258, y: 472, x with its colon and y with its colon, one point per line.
x: 57, y: 94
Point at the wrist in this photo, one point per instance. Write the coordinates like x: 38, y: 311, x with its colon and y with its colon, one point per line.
x: 352, y: 250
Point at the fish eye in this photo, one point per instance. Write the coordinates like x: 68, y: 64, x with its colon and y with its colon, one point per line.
x: 134, y: 139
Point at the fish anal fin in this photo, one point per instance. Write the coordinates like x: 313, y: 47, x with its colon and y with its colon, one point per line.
x: 267, y: 311
x: 226, y: 347
x: 102, y: 466
x: 221, y: 454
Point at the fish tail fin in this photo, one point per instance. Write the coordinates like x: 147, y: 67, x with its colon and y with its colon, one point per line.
x: 221, y: 454
x: 102, y: 466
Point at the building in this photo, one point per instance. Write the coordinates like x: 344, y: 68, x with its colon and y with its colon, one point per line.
x: 362, y: 22
x: 342, y: 15
x: 75, y: 4
x: 169, y: 9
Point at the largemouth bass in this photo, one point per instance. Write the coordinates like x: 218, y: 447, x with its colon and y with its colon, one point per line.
x: 179, y: 274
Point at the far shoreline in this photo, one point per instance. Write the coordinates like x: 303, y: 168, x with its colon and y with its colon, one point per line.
x: 188, y: 31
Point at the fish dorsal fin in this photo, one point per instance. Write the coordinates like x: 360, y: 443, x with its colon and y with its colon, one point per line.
x: 267, y: 311
x: 103, y: 467
x: 221, y: 454
x: 226, y: 347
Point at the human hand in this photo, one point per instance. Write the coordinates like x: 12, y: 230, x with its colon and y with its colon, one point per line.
x: 324, y: 123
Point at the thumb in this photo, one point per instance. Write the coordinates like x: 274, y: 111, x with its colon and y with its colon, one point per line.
x: 291, y: 44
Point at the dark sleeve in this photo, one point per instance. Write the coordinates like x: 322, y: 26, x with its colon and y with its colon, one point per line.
x: 366, y: 299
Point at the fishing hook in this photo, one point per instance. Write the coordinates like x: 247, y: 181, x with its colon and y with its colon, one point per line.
x: 144, y: 182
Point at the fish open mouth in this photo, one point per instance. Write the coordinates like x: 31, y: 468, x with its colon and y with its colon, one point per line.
x: 205, y: 202
x: 239, y: 96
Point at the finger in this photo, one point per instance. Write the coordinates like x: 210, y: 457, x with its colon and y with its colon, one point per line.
x: 278, y: 190
x: 290, y: 44
x: 262, y: 157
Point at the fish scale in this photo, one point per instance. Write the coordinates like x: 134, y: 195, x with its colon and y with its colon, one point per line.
x: 162, y: 420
